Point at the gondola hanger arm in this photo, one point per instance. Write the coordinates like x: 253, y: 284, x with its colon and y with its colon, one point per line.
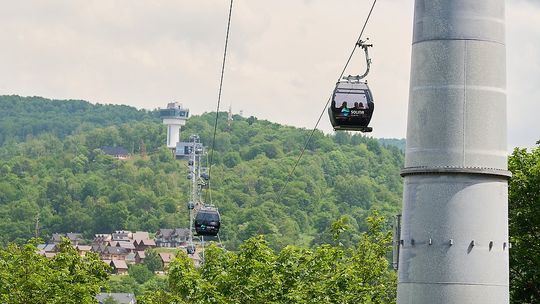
x: 364, y: 45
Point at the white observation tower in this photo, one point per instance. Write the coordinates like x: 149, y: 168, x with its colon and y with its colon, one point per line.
x: 174, y: 117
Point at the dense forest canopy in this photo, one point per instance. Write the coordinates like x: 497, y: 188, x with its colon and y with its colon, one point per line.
x: 61, y: 176
x: 24, y: 117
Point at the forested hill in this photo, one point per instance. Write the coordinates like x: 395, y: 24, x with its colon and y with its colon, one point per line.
x: 24, y: 116
x: 65, y: 179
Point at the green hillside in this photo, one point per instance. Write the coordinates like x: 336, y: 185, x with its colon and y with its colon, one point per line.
x: 65, y: 179
x: 24, y: 117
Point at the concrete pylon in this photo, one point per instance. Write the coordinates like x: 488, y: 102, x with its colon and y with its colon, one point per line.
x: 454, y: 235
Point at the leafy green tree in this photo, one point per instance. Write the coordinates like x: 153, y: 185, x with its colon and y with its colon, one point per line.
x: 125, y: 284
x: 152, y: 261
x: 524, y: 224
x: 28, y: 277
x: 140, y: 273
x: 256, y: 274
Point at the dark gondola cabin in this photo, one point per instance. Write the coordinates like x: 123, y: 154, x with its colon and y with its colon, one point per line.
x: 352, y: 106
x: 190, y: 249
x: 207, y: 221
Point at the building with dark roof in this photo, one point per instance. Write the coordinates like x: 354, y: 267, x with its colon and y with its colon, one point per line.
x: 121, y: 298
x: 116, y: 152
x: 172, y: 237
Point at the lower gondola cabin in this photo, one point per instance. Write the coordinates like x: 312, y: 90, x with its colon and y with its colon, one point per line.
x: 207, y: 222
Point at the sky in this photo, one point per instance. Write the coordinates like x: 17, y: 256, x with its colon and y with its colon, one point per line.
x: 283, y: 60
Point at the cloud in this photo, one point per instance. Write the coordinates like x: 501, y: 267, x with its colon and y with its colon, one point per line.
x: 523, y: 47
x: 284, y: 56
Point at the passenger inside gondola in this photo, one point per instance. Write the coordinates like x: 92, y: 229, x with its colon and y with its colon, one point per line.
x: 344, y: 109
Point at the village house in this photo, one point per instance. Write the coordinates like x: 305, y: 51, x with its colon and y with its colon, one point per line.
x: 166, y: 259
x: 100, y: 239
x: 139, y: 257
x: 122, y: 235
x: 119, y: 266
x: 196, y: 258
x: 140, y: 235
x: 116, y: 152
x: 142, y: 245
x: 114, y: 253
x: 47, y: 248
x: 83, y: 249
x: 127, y: 245
x: 172, y: 237
x: 74, y: 238
x: 130, y: 258
x: 120, y: 298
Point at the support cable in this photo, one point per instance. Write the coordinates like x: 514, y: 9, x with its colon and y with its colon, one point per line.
x: 219, y: 95
x: 358, y: 42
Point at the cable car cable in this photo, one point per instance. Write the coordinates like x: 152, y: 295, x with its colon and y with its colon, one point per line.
x: 358, y: 41
x: 220, y: 88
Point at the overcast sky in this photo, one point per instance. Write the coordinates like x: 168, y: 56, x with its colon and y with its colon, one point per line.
x: 284, y: 56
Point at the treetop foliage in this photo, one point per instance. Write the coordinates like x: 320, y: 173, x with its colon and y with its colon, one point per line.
x: 258, y: 274
x: 524, y: 224
x: 28, y: 277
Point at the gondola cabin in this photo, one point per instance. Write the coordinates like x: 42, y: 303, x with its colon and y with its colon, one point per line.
x: 352, y: 106
x: 190, y: 249
x: 207, y: 221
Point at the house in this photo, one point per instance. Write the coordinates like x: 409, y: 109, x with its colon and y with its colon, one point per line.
x: 196, y: 258
x: 83, y: 249
x: 172, y: 237
x: 101, y: 239
x: 139, y: 257
x: 166, y: 259
x: 144, y: 244
x: 98, y: 248
x: 121, y: 298
x: 130, y: 258
x: 116, y: 152
x: 119, y: 266
x: 141, y: 235
x: 47, y: 248
x: 128, y: 245
x: 74, y: 238
x: 122, y: 235
x: 114, y: 253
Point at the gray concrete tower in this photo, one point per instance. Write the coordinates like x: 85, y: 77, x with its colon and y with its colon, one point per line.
x: 454, y: 234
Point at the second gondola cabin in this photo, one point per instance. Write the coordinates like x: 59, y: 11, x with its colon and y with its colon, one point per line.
x: 207, y: 221
x: 352, y: 106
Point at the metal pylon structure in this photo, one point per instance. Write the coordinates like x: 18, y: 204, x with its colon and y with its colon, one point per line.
x: 198, y: 176
x: 454, y: 232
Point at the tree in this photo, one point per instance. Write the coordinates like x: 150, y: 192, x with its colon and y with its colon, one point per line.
x: 28, y: 277
x: 257, y: 274
x: 140, y: 273
x: 524, y: 224
x: 152, y: 261
x: 126, y: 284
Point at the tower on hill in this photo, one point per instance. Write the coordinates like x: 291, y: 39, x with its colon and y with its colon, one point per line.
x: 174, y: 117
